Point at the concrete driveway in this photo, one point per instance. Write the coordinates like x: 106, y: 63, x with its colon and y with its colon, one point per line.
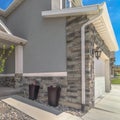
x: 107, y: 108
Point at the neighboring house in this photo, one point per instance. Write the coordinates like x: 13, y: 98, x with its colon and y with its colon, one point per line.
x: 116, y: 70
x: 112, y: 65
x: 59, y: 47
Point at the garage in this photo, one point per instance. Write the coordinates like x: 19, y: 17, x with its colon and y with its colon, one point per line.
x: 99, y: 72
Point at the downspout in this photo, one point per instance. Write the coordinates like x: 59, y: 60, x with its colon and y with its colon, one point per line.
x: 83, y: 55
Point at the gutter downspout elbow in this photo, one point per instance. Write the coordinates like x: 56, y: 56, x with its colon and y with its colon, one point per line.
x: 83, y: 56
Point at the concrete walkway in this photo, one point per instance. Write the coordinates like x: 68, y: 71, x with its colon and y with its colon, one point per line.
x: 107, y: 108
x: 36, y: 110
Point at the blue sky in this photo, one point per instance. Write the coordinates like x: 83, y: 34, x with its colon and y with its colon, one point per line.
x: 114, y: 12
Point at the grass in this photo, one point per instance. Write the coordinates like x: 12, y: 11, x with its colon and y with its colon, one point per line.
x: 116, y: 81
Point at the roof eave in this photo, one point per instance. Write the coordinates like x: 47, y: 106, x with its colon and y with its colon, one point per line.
x: 88, y: 10
x: 71, y: 12
x: 12, y: 39
x: 110, y: 40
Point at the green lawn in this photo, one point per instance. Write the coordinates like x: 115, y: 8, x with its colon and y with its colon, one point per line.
x: 115, y: 81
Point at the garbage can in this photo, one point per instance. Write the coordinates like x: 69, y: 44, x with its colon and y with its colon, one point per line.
x: 53, y: 95
x: 33, y: 91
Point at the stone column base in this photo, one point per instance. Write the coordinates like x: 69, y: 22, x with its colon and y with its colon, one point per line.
x: 18, y: 80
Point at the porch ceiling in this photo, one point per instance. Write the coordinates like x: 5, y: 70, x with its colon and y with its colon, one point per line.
x: 102, y: 25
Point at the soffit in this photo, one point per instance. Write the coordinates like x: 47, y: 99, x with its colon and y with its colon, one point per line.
x: 104, y: 28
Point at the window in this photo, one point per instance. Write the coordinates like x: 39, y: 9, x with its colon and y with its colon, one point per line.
x: 68, y: 3
x: 4, y: 4
x: 73, y: 3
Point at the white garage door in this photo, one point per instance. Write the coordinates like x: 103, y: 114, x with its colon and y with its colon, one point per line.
x: 99, y: 77
x: 99, y: 86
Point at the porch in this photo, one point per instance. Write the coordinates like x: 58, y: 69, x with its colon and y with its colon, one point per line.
x: 7, y: 80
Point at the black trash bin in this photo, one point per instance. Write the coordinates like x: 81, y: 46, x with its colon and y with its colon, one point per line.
x: 53, y: 95
x: 33, y: 91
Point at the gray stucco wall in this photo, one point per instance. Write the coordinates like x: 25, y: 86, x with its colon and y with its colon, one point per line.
x: 46, y: 48
x: 10, y: 64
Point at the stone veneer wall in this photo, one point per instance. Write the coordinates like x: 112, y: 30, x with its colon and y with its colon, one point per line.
x: 44, y: 83
x: 11, y: 81
x: 7, y: 82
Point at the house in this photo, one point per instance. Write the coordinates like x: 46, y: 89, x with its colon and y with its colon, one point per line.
x: 59, y: 42
x: 116, y: 70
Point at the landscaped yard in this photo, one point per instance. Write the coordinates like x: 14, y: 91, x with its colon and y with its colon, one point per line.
x: 116, y: 81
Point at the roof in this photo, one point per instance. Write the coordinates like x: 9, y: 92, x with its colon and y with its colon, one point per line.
x: 11, y: 8
x: 7, y: 37
x: 103, y: 24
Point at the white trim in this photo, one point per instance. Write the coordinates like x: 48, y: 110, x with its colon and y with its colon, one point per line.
x: 56, y: 4
x: 70, y: 11
x: 61, y: 4
x: 48, y: 74
x: 5, y: 27
x: 7, y: 75
x: 11, y: 38
x: 104, y: 56
x: 18, y: 59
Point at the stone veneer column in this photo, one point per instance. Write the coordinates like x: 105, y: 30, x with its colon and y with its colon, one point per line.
x: 89, y: 67
x: 18, y: 80
x: 73, y: 38
x: 107, y: 76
